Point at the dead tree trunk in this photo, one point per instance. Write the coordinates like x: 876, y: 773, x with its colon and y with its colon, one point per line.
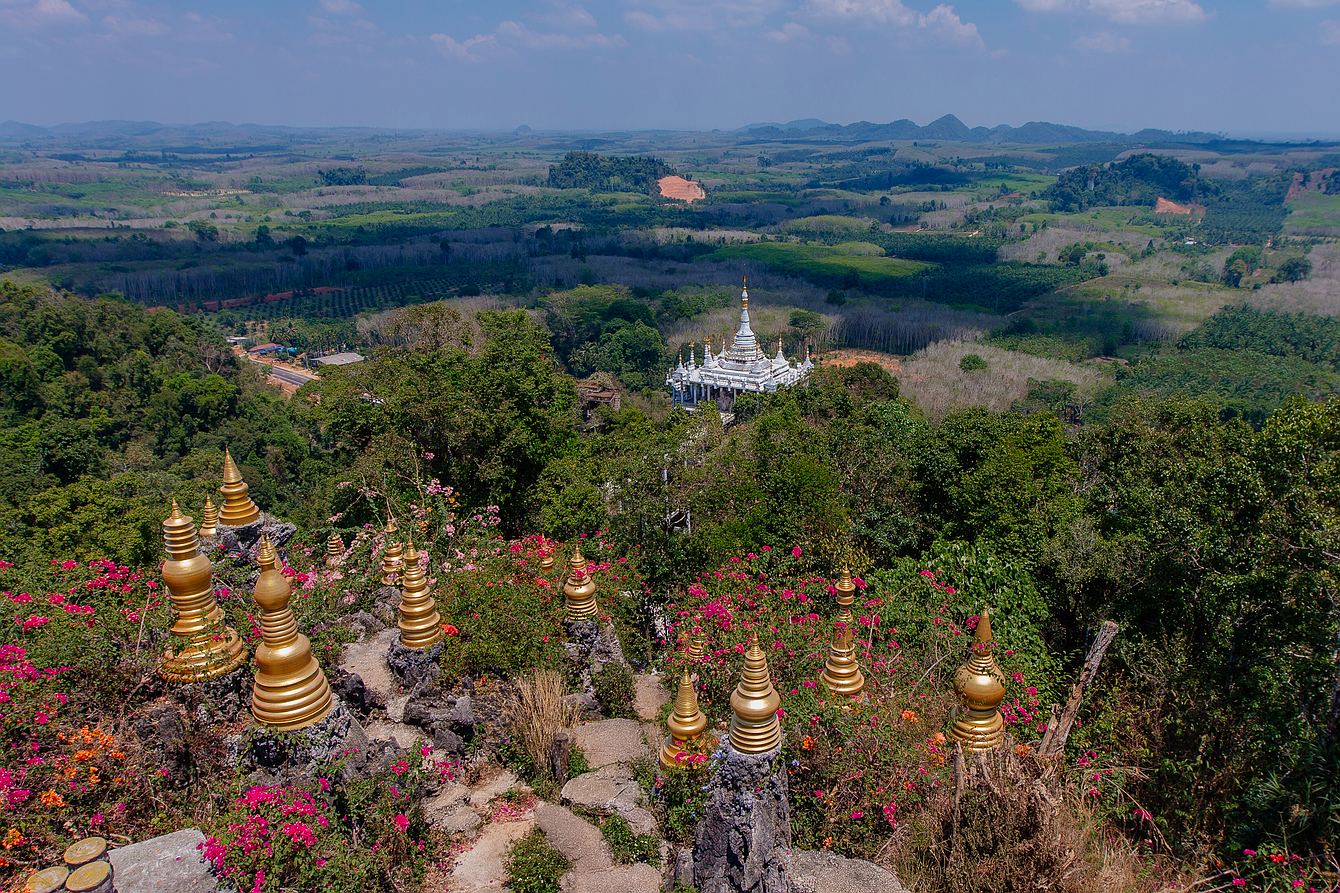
x: 1054, y: 741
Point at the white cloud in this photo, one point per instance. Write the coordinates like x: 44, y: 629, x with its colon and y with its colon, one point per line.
x: 1303, y: 4
x: 133, y: 27
x: 1330, y: 33
x: 1103, y: 42
x: 39, y: 14
x: 341, y: 7
x: 699, y: 15
x: 1143, y: 12
x: 572, y: 18
x: 1132, y: 12
x: 941, y: 21
x: 791, y: 31
x: 468, y: 50
x: 515, y: 32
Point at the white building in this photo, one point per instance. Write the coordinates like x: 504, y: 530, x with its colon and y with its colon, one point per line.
x: 743, y: 367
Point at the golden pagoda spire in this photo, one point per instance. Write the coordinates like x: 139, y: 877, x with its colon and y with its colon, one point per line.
x: 981, y: 687
x: 753, y: 726
x: 334, y: 550
x: 685, y: 723
x: 290, y: 691
x: 846, y: 596
x: 744, y: 291
x: 209, y: 527
x: 842, y: 674
x: 420, y: 624
x: 238, y: 509
x: 546, y: 558
x: 392, y: 562
x: 579, y: 592
x: 209, y: 647
x: 697, y: 645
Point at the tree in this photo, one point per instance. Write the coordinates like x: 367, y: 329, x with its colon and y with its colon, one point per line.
x: 1295, y: 269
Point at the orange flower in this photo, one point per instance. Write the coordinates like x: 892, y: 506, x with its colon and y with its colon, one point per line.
x: 13, y: 838
x: 807, y: 743
x: 910, y: 715
x: 52, y: 799
x: 1022, y: 750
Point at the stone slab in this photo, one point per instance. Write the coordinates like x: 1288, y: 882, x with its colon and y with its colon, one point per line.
x: 649, y: 697
x: 399, y: 734
x: 574, y: 837
x: 480, y: 868
x: 609, y: 789
x: 171, y: 863
x: 455, y: 819
x: 609, y: 741
x: 368, y: 660
x: 812, y: 871
x: 486, y: 792
x: 637, y: 878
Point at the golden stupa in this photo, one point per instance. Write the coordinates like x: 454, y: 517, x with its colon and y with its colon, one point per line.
x: 546, y: 559
x: 579, y: 591
x: 334, y: 550
x: 842, y: 674
x: 753, y: 725
x: 685, y: 723
x: 420, y: 624
x: 697, y: 646
x: 209, y: 527
x: 981, y: 687
x: 393, y: 557
x: 238, y: 509
x: 209, y: 648
x: 290, y: 691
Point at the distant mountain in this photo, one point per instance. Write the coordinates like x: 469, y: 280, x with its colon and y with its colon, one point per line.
x: 950, y: 129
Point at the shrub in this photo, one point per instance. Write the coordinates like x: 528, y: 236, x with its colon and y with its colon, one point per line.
x: 614, y: 689
x: 537, y: 712
x: 972, y: 362
x: 625, y: 845
x: 533, y: 866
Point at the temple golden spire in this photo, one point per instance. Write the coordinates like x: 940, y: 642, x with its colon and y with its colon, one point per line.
x: 209, y: 527
x: 392, y: 557
x: 420, y: 624
x: 981, y: 687
x: 238, y: 509
x: 697, y: 645
x: 209, y: 648
x: 846, y: 596
x: 579, y: 592
x: 685, y: 724
x: 290, y: 691
x: 842, y: 674
x: 546, y: 558
x: 753, y: 726
x: 334, y: 550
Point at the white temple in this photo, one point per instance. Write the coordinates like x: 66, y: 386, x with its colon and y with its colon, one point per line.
x: 742, y: 367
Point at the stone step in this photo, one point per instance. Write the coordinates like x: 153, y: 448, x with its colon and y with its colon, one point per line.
x: 368, y: 660
x: 814, y: 871
x: 637, y: 878
x: 171, y: 863
x: 609, y: 741
x: 609, y: 790
x: 649, y: 697
x: 573, y: 836
x: 480, y: 869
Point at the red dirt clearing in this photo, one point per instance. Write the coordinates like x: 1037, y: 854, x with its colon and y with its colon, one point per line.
x: 680, y: 189
x: 848, y: 357
x: 1168, y: 206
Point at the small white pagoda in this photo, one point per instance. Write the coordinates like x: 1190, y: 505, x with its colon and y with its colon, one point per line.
x: 743, y: 367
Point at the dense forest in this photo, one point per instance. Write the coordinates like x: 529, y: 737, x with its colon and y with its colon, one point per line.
x: 599, y: 173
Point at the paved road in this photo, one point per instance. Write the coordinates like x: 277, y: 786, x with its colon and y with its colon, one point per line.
x: 290, y: 376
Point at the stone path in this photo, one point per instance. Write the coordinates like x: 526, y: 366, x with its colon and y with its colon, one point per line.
x: 168, y: 864
x: 368, y: 660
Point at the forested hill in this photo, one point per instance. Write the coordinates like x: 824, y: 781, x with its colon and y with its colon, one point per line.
x: 628, y: 173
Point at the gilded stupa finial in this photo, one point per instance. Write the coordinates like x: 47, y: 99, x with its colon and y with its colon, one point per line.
x: 754, y: 727
x: 697, y: 646
x: 744, y: 291
x: 579, y: 591
x: 685, y: 724
x: 842, y: 674
x: 238, y: 509
x: 547, y: 550
x: 392, y: 556
x: 207, y: 647
x: 420, y: 623
x: 209, y: 527
x: 981, y: 687
x: 334, y: 550
x: 846, y: 596
x: 290, y: 691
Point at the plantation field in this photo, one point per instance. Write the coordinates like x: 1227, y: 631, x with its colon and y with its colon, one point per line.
x: 821, y: 262
x: 1128, y: 219
x: 1314, y: 214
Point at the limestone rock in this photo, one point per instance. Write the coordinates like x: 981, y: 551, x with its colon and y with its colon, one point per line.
x: 742, y: 842
x: 302, y: 750
x: 640, y: 820
x: 574, y: 837
x: 610, y: 741
x: 367, y: 660
x: 171, y: 863
x: 813, y: 871
x: 413, y: 667
x: 350, y: 688
x: 455, y: 820
x: 244, y: 540
x: 386, y: 606
x: 483, y: 794
x: 608, y: 790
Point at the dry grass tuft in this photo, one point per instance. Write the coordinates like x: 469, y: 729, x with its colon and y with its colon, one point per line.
x: 538, y: 712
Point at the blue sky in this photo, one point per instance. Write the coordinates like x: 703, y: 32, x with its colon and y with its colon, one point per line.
x: 1244, y: 67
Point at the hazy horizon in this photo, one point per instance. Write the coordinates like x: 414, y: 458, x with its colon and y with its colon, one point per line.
x: 1254, y: 67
